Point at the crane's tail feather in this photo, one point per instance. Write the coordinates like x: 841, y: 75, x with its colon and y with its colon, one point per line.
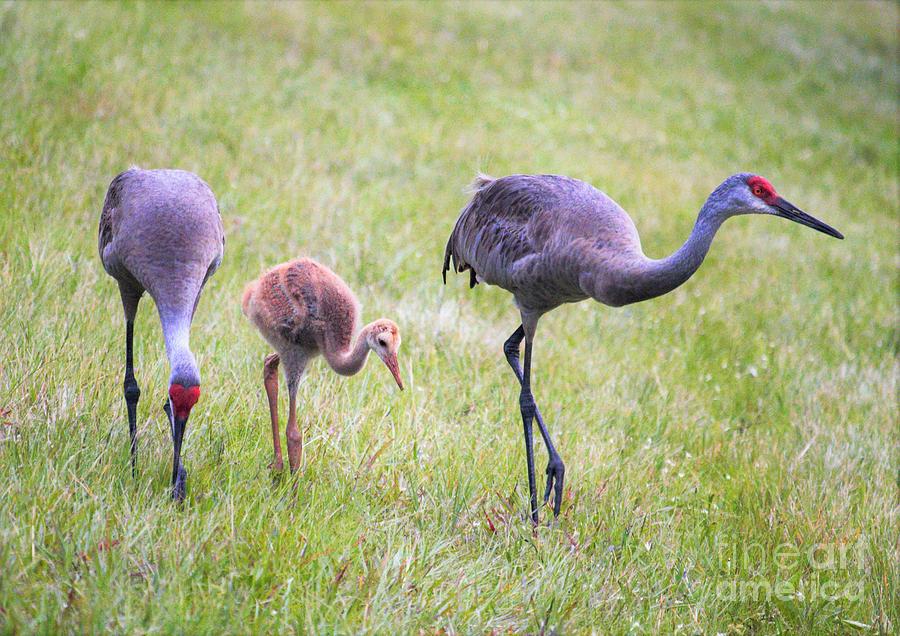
x: 479, y: 183
x: 447, y: 255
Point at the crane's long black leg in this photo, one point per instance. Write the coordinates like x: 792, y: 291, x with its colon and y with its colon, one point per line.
x: 527, y: 406
x: 556, y: 470
x: 132, y: 393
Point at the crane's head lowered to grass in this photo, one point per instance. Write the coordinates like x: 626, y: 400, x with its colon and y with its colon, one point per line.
x: 178, y: 407
x: 383, y: 337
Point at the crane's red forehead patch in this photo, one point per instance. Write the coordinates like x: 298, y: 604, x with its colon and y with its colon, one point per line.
x: 761, y: 187
x: 183, y: 399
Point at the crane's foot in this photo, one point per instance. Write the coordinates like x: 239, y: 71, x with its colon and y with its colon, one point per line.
x: 276, y: 470
x: 295, y: 449
x: 132, y: 395
x: 556, y: 472
x: 179, y: 488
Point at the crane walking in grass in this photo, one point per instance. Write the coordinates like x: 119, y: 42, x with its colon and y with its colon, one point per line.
x: 551, y: 240
x: 303, y: 309
x: 161, y: 232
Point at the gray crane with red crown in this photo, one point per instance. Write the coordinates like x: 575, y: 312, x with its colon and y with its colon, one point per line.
x: 550, y: 240
x: 161, y: 232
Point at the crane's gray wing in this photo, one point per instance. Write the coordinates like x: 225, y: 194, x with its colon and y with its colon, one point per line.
x: 536, y: 236
x: 492, y: 231
x: 511, y: 223
x: 110, y: 219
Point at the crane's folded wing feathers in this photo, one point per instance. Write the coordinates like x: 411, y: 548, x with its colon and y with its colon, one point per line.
x: 492, y: 231
x: 108, y: 220
x: 535, y: 235
x: 503, y: 224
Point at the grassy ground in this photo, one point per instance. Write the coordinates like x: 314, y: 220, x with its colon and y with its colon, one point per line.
x: 732, y: 447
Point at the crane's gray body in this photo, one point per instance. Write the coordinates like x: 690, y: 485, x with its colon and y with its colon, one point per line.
x: 160, y: 231
x: 550, y: 240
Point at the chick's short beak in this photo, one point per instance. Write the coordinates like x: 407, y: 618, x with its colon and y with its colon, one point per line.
x: 390, y: 361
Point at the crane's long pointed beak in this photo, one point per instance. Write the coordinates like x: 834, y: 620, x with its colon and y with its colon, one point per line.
x: 178, y: 425
x: 788, y: 210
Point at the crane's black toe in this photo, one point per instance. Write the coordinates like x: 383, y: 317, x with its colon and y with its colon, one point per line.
x: 556, y: 472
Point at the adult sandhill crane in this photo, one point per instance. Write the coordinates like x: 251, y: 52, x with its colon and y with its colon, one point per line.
x: 303, y: 309
x: 160, y: 232
x: 551, y: 240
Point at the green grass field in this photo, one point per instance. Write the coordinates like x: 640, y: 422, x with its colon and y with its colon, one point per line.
x: 731, y: 448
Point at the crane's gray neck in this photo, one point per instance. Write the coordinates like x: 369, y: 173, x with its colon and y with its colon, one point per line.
x: 349, y: 360
x: 658, y: 277
x: 176, y: 328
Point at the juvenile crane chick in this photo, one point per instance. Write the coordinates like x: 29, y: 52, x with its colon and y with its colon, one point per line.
x: 303, y: 309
